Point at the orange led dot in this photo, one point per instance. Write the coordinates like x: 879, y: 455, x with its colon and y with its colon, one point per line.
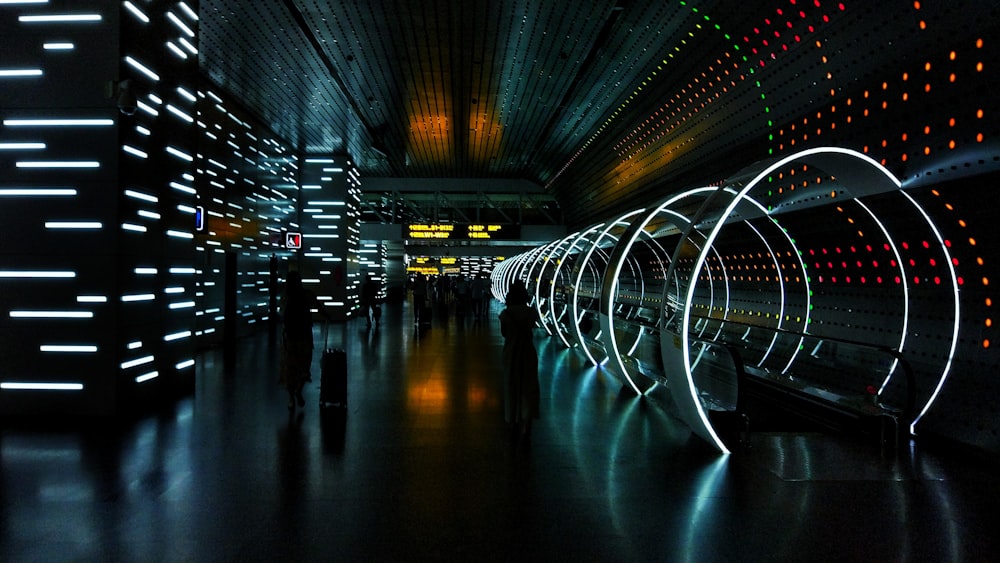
x: 833, y: 194
x: 906, y: 96
x: 986, y: 343
x: 951, y: 144
x: 979, y: 67
x: 949, y: 207
x: 986, y: 281
x: 989, y: 302
x: 885, y: 104
x: 927, y: 150
x: 923, y: 24
x: 927, y: 87
x: 904, y: 157
x: 989, y: 322
x: 885, y: 142
x: 961, y: 223
x: 904, y: 136
x: 972, y: 241
x: 951, y: 122
x: 927, y: 129
x: 951, y: 55
x: 979, y: 43
x: 885, y: 85
x: 979, y: 138
x: 916, y: 5
x: 979, y: 260
x: 927, y: 66
x: 951, y: 77
x: 979, y: 114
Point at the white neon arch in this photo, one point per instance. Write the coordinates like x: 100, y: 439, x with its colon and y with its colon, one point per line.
x: 546, y: 256
x: 955, y: 325
x: 621, y: 221
x: 614, y: 270
x: 548, y: 317
x: 684, y: 392
x: 571, y: 298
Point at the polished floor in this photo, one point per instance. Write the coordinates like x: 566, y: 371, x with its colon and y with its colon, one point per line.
x: 420, y: 467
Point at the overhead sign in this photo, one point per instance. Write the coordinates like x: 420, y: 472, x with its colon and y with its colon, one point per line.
x: 463, y: 231
x: 293, y: 240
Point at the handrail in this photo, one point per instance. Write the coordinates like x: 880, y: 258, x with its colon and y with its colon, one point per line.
x: 911, y: 380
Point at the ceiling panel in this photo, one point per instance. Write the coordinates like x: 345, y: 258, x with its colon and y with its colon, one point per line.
x: 608, y: 104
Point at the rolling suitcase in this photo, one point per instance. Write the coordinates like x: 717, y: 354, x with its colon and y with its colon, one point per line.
x: 333, y: 377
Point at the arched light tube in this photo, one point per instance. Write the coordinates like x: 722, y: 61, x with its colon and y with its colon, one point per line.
x: 957, y: 313
x: 543, y: 297
x: 620, y: 221
x: 574, y: 289
x: 869, y: 179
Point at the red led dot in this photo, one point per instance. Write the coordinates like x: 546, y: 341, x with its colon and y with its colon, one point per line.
x: 879, y: 279
x: 913, y: 262
x: 833, y: 279
x: 887, y: 246
x: 898, y: 280
x: 933, y: 262
x: 868, y: 247
x: 906, y: 246
x: 916, y: 280
x: 847, y: 279
x: 947, y: 243
x: 859, y: 263
x: 829, y: 265
x: 954, y: 261
x: 862, y: 279
x: 892, y: 263
x: 875, y: 263
x: 937, y: 280
x: 927, y: 244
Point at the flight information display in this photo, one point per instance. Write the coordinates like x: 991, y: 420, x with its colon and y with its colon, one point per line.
x: 462, y: 231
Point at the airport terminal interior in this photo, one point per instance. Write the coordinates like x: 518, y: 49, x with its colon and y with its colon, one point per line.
x: 755, y: 240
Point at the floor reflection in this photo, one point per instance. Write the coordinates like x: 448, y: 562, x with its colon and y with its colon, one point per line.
x: 419, y: 466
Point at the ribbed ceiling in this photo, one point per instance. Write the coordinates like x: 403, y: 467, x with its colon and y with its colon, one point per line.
x: 609, y: 104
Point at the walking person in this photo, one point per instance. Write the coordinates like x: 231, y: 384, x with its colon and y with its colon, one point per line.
x: 297, y: 338
x: 369, y: 301
x: 520, y: 361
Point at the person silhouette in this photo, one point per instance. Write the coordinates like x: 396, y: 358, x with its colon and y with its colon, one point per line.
x: 520, y: 361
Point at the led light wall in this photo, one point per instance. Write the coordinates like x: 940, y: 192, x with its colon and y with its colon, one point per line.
x: 330, y: 256
x: 98, y: 148
x: 247, y: 198
x: 138, y: 207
